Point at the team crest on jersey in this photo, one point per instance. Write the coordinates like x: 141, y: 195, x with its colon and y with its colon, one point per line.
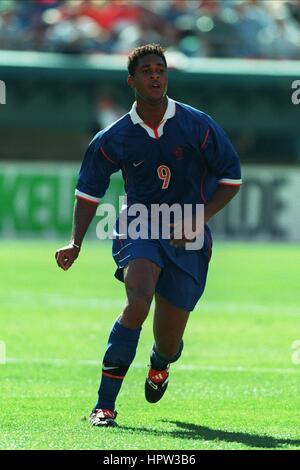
x: 178, y: 153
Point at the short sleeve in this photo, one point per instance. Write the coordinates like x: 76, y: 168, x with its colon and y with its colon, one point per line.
x: 96, y: 169
x: 220, y: 155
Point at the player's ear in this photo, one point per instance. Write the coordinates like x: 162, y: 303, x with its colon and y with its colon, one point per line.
x: 130, y: 81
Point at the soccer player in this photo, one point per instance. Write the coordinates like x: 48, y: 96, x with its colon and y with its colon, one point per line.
x: 168, y: 152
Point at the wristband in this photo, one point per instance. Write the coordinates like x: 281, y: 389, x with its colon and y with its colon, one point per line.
x: 76, y: 246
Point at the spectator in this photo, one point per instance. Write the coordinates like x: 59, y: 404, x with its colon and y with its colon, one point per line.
x: 194, y: 28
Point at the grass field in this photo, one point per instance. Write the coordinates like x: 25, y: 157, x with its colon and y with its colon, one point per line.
x: 235, y: 386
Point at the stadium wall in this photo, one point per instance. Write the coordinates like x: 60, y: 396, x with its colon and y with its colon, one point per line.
x: 37, y: 201
x: 51, y: 102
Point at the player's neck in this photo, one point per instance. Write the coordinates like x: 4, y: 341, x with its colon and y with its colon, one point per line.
x: 151, y: 113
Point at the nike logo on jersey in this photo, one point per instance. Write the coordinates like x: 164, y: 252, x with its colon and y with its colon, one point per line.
x: 138, y: 163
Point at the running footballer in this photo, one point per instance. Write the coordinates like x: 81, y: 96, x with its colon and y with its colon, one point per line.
x: 168, y: 152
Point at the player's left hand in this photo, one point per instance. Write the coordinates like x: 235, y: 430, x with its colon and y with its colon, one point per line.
x: 179, y: 237
x: 184, y: 231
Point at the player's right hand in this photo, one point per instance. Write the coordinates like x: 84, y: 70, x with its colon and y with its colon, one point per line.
x: 66, y: 256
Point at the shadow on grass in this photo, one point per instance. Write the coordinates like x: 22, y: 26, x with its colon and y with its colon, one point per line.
x: 196, y: 432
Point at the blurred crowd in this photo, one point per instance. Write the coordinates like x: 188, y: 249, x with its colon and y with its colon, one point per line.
x: 195, y: 28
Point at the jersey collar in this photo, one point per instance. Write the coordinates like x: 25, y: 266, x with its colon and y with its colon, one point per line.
x: 155, y: 133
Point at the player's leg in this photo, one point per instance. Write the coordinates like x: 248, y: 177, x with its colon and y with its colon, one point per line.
x: 140, y: 277
x: 168, y: 328
x: 177, y: 293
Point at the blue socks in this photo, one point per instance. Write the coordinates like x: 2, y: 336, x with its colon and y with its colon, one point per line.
x: 120, y: 352
x: 159, y: 362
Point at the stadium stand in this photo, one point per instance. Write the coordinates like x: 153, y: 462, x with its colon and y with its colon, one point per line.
x: 197, y: 28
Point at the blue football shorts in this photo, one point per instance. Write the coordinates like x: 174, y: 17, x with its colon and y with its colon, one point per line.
x: 183, y: 274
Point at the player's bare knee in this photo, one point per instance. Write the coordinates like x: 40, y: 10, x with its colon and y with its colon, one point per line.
x: 140, y: 304
x: 139, y: 296
x: 135, y: 313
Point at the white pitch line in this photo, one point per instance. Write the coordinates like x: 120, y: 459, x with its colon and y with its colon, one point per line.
x: 56, y: 300
x: 32, y: 299
x: 212, y: 368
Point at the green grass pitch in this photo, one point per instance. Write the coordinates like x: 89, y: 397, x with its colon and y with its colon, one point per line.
x: 235, y: 386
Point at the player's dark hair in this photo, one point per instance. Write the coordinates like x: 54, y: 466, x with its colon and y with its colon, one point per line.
x: 141, y: 51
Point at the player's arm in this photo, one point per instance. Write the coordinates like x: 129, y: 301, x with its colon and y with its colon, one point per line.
x: 84, y: 211
x: 222, y: 160
x: 93, y: 181
x: 221, y: 197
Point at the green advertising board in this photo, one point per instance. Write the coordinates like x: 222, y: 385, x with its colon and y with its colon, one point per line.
x: 37, y: 199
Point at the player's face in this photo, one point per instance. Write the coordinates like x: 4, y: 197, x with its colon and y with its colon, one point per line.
x: 150, y: 80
